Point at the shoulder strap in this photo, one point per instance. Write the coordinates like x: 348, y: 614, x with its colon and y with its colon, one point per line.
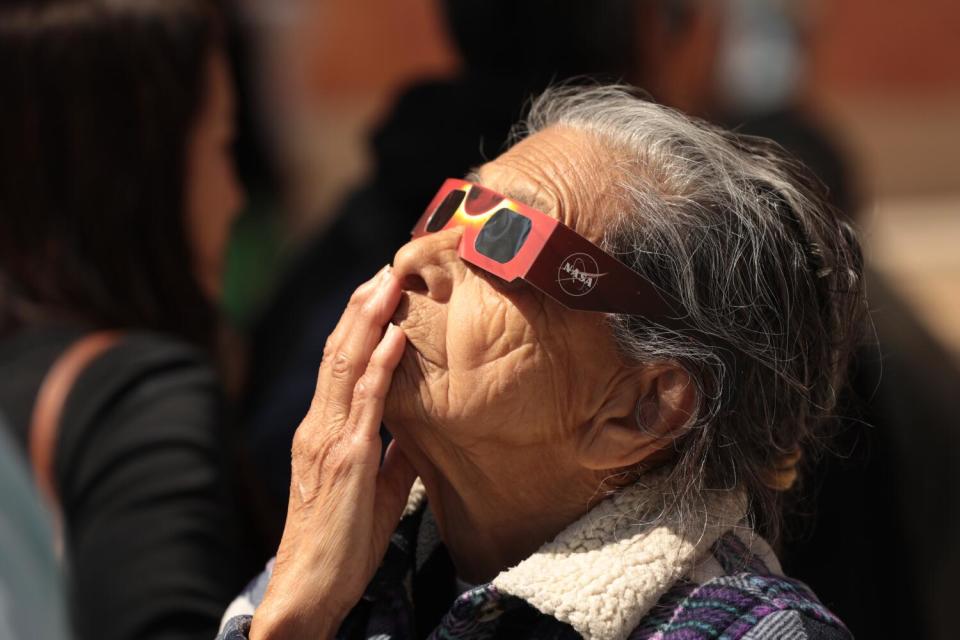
x: 48, y: 408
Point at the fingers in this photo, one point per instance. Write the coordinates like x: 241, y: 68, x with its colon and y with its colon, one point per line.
x: 359, y: 296
x: 370, y: 392
x: 348, y: 454
x: 350, y: 346
x: 393, y: 487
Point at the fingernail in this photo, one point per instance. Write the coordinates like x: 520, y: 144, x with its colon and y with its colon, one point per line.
x: 385, y: 273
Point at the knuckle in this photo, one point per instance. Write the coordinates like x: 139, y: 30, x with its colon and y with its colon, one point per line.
x: 378, y: 361
x: 305, y: 438
x: 341, y: 366
x: 357, y: 297
x: 367, y: 389
x: 361, y: 293
x: 366, y: 444
x: 362, y: 391
x: 298, y: 447
x: 378, y: 367
x: 378, y: 393
x: 303, y: 445
x: 362, y: 447
x: 329, y: 348
x: 370, y: 309
x: 309, y: 451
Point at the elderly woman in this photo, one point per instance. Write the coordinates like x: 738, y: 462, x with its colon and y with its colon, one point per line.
x: 607, y: 351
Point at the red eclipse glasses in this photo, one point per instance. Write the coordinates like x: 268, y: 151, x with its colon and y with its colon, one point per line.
x: 511, y: 240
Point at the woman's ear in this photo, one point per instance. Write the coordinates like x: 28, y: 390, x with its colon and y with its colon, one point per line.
x: 645, y: 412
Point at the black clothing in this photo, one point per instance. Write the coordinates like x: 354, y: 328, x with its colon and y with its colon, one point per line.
x: 888, y: 486
x: 151, y: 526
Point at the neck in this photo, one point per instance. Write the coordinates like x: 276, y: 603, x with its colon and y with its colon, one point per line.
x: 491, y: 517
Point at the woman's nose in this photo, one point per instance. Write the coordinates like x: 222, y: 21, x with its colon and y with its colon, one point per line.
x: 429, y: 264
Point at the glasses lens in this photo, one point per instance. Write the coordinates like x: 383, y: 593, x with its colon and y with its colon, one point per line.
x: 481, y: 200
x: 503, y: 235
x: 445, y: 211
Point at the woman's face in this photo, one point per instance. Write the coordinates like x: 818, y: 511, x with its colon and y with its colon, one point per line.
x: 494, y: 365
x: 214, y: 195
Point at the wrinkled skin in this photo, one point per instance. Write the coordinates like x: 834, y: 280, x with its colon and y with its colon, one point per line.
x: 487, y: 357
x: 499, y: 380
x: 510, y: 407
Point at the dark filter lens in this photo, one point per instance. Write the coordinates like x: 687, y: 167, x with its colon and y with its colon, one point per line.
x: 502, y: 236
x: 445, y: 211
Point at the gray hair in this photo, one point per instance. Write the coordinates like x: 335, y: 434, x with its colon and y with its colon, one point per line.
x: 768, y: 276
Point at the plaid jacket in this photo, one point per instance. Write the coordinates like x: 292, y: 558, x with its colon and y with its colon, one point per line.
x: 602, y: 578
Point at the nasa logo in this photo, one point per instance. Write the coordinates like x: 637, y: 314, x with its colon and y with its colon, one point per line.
x: 578, y: 274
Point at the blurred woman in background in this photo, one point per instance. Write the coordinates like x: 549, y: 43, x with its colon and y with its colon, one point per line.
x: 117, y: 191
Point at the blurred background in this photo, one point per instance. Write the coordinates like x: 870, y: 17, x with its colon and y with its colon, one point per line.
x: 882, y: 79
x: 350, y: 113
x: 866, y: 93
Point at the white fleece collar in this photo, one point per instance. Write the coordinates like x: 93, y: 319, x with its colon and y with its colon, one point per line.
x: 604, y: 572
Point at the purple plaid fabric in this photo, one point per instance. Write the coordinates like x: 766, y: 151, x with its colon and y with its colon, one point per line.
x: 406, y: 602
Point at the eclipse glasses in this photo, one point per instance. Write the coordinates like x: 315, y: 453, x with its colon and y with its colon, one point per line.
x: 510, y: 240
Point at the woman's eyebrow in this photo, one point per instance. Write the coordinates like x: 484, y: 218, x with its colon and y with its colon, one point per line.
x: 523, y: 196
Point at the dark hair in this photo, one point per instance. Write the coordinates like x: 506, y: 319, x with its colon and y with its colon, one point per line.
x: 99, y: 97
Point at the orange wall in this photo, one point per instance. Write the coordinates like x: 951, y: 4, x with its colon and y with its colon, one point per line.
x: 359, y: 46
x: 897, y: 46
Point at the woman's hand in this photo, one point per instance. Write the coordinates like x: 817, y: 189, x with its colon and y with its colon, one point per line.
x: 343, y: 505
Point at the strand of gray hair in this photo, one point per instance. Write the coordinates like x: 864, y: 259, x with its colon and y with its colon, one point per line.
x: 767, y: 274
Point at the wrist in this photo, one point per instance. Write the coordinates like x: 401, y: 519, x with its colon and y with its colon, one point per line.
x: 292, y: 623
